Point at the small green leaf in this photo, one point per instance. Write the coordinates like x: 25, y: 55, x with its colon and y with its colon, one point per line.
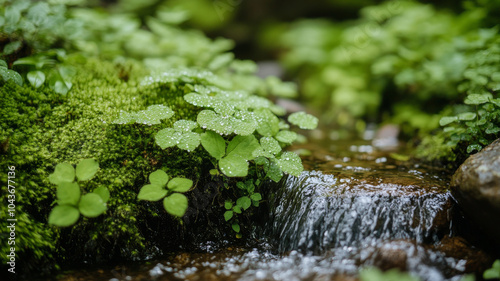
x: 9, y: 74
x: 60, y: 87
x: 477, y: 99
x: 228, y: 205
x: 64, y: 215
x: 214, y: 144
x: 189, y: 141
x: 268, y: 125
x: 236, y: 227
x: 36, y: 78
x: 176, y: 204
x: 270, y: 145
x: 286, y: 136
x: 447, y: 120
x: 159, y: 178
x: 185, y: 125
x: 198, y: 100
x: 234, y: 166
x: 68, y: 193
x: 180, y: 184
x: 91, y: 205
x: 466, y: 116
x: 167, y: 137
x: 103, y: 192
x: 237, y: 209
x: 273, y: 171
x: 64, y: 172
x: 153, y: 114
x: 11, y: 47
x: 152, y: 192
x: 210, y: 120
x: 303, y: 120
x: 493, y: 130
x: 228, y: 215
x: 290, y: 162
x: 474, y: 147
x: 86, y: 169
x: 244, y: 202
x: 256, y: 197
x: 243, y: 146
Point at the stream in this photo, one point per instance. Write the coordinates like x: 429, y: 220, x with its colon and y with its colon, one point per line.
x: 353, y: 207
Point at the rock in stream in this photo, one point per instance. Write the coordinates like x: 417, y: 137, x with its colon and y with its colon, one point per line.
x: 476, y: 185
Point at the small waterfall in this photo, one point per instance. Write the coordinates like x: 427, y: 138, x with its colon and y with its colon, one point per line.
x: 317, y: 212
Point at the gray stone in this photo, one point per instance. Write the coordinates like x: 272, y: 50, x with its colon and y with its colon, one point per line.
x: 476, y: 186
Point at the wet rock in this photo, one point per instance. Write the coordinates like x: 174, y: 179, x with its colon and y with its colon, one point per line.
x: 458, y: 248
x: 476, y: 186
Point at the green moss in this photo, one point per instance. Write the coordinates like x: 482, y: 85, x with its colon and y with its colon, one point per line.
x: 43, y: 129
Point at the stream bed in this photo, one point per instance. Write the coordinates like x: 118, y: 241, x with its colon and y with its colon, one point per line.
x: 353, y: 207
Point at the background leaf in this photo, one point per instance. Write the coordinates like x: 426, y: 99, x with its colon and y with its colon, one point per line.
x: 36, y: 78
x: 303, y: 120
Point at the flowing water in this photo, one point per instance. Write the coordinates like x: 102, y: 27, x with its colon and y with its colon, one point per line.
x: 354, y: 207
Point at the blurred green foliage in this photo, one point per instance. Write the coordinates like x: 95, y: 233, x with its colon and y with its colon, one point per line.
x: 401, y: 62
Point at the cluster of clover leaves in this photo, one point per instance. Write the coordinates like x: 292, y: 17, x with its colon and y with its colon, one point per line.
x: 236, y: 128
x: 70, y: 201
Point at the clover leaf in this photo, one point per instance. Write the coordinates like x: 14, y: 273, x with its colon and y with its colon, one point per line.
x: 176, y: 204
x: 286, y: 136
x: 151, y: 116
x: 270, y: 145
x: 86, y: 169
x: 63, y: 172
x: 303, y: 120
x: 234, y: 166
x: 180, y: 136
x: 268, y: 123
x: 180, y: 184
x: 290, y: 162
x: 103, y: 192
x: 64, y: 215
x: 152, y: 192
x: 68, y: 193
x: 91, y: 205
x: 159, y: 178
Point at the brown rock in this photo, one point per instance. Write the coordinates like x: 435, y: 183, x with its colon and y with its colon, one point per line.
x: 476, y: 186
